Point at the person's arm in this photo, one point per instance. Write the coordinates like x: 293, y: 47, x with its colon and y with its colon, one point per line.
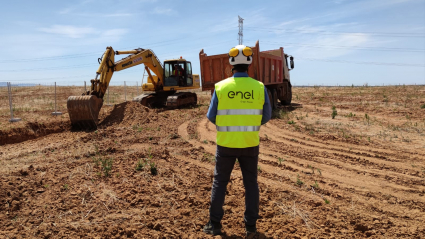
x: 267, y: 109
x: 212, y: 110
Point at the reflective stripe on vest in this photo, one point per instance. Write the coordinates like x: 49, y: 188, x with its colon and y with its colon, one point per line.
x: 238, y: 128
x: 240, y: 112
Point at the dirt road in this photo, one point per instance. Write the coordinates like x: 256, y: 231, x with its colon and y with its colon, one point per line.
x: 147, y: 173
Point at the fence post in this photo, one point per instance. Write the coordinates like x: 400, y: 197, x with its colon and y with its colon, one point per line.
x: 85, y: 89
x: 137, y: 88
x: 9, y: 90
x: 125, y: 92
x: 56, y: 112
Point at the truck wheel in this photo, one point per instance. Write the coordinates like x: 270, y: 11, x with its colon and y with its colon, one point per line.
x: 287, y: 97
x: 270, y: 98
x: 274, y: 99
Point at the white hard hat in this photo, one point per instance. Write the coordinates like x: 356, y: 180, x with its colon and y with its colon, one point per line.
x: 240, y: 54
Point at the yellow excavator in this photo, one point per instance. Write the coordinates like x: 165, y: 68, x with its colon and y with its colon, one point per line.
x: 163, y: 83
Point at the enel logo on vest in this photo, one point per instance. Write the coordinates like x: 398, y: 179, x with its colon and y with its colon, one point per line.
x: 244, y: 95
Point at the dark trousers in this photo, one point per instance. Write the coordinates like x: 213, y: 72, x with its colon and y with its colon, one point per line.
x: 225, y: 160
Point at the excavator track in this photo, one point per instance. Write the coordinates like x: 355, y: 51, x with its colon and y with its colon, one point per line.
x: 84, y: 111
x: 181, y: 99
x: 151, y: 100
x: 168, y: 99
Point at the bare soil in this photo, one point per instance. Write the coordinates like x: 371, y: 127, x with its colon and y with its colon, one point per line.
x: 147, y: 173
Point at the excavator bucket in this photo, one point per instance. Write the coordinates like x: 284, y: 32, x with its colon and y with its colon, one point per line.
x: 84, y: 111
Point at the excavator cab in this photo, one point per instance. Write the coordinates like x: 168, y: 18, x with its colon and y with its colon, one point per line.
x: 178, y: 73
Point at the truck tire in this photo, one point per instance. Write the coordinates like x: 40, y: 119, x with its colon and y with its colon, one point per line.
x: 288, y: 96
x: 274, y: 104
x: 269, y: 93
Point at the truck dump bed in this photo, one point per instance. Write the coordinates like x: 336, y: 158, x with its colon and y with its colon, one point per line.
x: 267, y: 67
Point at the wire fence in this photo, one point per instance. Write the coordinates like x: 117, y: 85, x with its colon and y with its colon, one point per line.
x: 41, y: 100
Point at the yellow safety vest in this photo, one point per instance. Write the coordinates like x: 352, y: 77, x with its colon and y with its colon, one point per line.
x: 239, y: 112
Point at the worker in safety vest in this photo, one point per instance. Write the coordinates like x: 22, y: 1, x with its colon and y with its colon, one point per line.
x: 239, y: 106
x: 179, y: 73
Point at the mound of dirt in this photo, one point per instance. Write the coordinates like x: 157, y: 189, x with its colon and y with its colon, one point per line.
x: 126, y: 114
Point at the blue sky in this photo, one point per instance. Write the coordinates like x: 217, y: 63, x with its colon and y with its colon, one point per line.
x: 333, y: 41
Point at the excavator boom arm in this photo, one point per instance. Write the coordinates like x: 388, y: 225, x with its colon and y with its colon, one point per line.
x: 107, y: 67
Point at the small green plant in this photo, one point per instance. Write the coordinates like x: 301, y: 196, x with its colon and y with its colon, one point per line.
x: 46, y: 186
x: 259, y: 168
x: 154, y: 170
x: 312, y: 169
x: 149, y: 153
x: 139, y: 129
x: 367, y: 117
x: 280, y: 160
x: 291, y: 122
x: 315, y: 185
x: 267, y: 137
x: 106, y: 165
x: 326, y: 201
x: 423, y: 106
x: 334, y: 112
x: 350, y: 115
x: 140, y: 164
x: 205, y: 141
x: 319, y: 171
x: 299, y: 182
x: 65, y: 186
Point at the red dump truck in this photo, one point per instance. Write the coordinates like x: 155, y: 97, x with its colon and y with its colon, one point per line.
x: 270, y: 67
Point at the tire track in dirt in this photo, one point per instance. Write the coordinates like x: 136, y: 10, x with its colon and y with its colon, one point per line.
x: 397, y: 186
x: 344, y: 182
x: 385, y: 119
x: 384, y: 153
x: 347, y: 156
x: 345, y: 162
x: 352, y: 148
